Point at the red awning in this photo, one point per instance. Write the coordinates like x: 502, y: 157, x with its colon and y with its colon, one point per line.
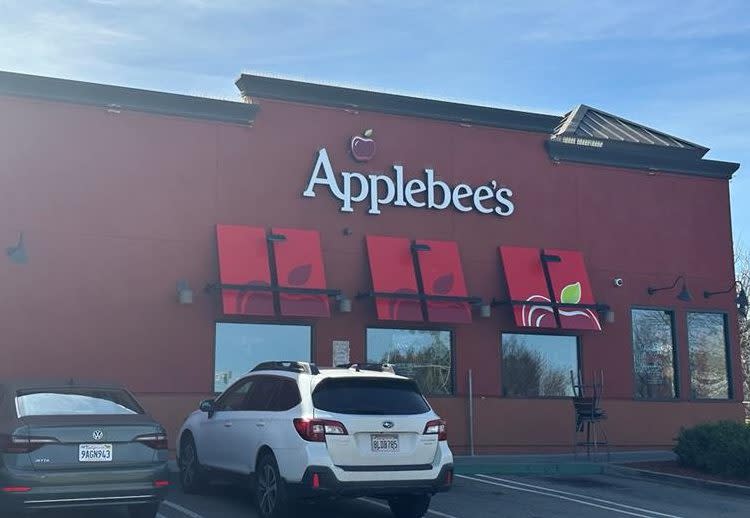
x: 392, y: 271
x: 297, y: 275
x: 243, y: 260
x: 442, y: 275
x: 299, y: 264
x: 531, y: 273
x: 570, y: 284
x: 423, y: 278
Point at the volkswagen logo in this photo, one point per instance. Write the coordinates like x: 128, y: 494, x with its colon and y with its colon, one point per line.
x: 98, y: 435
x: 388, y: 424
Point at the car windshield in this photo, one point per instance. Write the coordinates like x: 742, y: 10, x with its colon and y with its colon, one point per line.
x: 78, y: 401
x: 369, y: 396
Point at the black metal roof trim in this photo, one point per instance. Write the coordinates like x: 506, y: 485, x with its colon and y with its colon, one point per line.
x: 587, y: 122
x: 311, y: 93
x: 643, y: 157
x: 123, y: 98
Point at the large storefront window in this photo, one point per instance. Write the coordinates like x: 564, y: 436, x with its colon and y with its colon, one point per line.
x: 423, y: 355
x: 538, y: 365
x: 707, y: 341
x: 240, y: 347
x: 654, y: 354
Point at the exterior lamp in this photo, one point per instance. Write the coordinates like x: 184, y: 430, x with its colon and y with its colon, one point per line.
x: 184, y: 292
x: 345, y: 304
x: 741, y: 301
x: 684, y: 294
x: 485, y: 311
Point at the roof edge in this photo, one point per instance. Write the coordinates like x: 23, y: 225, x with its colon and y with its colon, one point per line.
x: 124, y: 98
x: 252, y: 85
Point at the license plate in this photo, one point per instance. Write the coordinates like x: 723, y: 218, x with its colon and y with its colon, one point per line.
x: 95, y: 453
x: 382, y: 443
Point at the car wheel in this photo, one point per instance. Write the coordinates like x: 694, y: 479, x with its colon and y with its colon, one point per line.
x: 143, y: 511
x: 270, y: 489
x: 409, y: 506
x: 192, y: 476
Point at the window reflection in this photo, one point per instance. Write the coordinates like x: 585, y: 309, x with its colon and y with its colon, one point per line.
x: 538, y: 365
x: 423, y: 355
x: 707, y: 341
x: 653, y: 354
x: 240, y: 347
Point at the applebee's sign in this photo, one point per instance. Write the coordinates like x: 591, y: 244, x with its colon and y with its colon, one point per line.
x: 377, y: 190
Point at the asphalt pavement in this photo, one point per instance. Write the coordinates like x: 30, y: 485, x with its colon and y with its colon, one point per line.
x: 478, y: 496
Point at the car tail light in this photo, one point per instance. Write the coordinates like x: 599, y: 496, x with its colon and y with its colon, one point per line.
x: 437, y: 427
x: 157, y: 441
x: 316, y: 481
x: 16, y: 489
x: 19, y: 444
x: 161, y: 483
x: 315, y: 430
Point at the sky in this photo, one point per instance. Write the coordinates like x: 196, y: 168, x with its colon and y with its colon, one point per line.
x: 681, y: 66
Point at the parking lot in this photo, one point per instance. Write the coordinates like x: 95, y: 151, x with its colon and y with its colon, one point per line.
x: 476, y: 496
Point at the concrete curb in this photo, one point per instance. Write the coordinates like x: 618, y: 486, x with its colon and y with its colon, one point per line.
x: 678, y: 479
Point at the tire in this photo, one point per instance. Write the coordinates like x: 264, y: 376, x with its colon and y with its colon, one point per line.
x: 143, y: 511
x: 270, y: 489
x: 409, y: 506
x: 192, y: 474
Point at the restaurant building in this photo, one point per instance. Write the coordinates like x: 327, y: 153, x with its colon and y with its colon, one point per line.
x: 171, y: 243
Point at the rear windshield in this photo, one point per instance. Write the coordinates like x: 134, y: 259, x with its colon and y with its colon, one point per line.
x: 78, y: 401
x: 369, y: 396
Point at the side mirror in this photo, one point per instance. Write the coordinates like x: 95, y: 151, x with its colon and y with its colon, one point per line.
x: 207, y: 405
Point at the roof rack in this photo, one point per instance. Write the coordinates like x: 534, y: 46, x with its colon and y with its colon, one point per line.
x: 300, y: 367
x: 377, y: 367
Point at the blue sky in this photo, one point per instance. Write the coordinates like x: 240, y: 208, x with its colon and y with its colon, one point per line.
x: 681, y: 66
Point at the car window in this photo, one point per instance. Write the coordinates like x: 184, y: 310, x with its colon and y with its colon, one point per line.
x: 76, y: 401
x: 373, y: 396
x: 287, y: 395
x: 262, y: 394
x: 234, y: 398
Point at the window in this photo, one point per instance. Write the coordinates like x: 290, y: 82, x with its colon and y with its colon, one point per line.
x: 369, y: 396
x: 654, y: 354
x: 538, y: 365
x: 709, y: 369
x: 287, y: 395
x: 423, y: 355
x: 79, y: 401
x: 233, y: 399
x: 240, y: 347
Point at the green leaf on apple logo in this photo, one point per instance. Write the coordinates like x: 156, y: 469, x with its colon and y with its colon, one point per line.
x: 571, y: 294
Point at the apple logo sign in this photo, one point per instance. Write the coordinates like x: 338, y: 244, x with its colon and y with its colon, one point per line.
x: 363, y: 147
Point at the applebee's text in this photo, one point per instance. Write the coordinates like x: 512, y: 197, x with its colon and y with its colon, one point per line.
x: 380, y: 189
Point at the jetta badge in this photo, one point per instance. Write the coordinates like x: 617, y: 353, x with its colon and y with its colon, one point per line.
x: 388, y: 424
x: 98, y: 435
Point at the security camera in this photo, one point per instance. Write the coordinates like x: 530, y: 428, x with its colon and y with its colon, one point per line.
x: 618, y: 282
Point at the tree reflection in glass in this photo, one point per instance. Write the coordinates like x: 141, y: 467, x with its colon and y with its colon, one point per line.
x: 538, y: 365
x: 708, y: 356
x: 653, y: 354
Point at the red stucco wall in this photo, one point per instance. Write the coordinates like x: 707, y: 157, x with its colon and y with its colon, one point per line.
x: 115, y: 208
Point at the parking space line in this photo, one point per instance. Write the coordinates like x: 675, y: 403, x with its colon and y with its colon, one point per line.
x: 386, y: 506
x: 558, y: 496
x: 601, y: 500
x: 187, y: 512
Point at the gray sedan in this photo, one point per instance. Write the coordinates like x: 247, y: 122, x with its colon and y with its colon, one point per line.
x: 68, y: 445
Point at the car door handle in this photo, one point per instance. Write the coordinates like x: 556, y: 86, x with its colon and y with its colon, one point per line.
x: 260, y: 425
x: 227, y: 424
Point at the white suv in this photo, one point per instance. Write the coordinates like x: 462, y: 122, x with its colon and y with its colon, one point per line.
x: 301, y: 432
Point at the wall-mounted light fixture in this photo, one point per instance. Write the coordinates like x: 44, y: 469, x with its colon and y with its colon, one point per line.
x: 485, y: 310
x: 741, y: 300
x: 17, y: 253
x: 345, y: 304
x: 608, y: 314
x: 684, y: 294
x: 184, y: 292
